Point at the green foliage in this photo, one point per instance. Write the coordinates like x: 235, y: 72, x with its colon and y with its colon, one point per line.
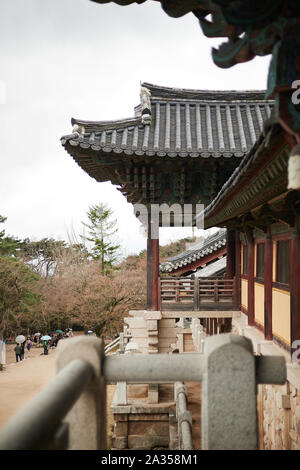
x: 19, y: 295
x: 174, y: 248
x: 49, y: 284
x: 101, y: 232
x: 42, y: 254
x: 43, y: 248
x: 9, y: 246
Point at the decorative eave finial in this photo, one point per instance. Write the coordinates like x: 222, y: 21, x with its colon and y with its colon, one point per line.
x: 145, y: 95
x: 77, y: 129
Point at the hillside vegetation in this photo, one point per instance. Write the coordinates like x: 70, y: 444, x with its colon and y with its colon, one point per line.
x: 50, y: 284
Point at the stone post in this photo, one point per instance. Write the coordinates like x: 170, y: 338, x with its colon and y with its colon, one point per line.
x: 87, y: 418
x: 229, y: 420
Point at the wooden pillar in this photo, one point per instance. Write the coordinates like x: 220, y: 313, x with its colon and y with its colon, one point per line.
x: 237, y: 284
x: 295, y: 287
x: 230, y: 259
x: 268, y: 261
x: 215, y: 326
x: 250, y: 243
x: 196, y: 292
x: 152, y: 270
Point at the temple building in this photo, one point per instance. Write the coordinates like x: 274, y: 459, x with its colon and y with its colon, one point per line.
x: 261, y: 217
x: 223, y: 159
x: 180, y: 148
x: 225, y: 152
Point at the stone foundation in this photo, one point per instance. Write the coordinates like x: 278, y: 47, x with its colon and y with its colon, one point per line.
x: 279, y: 417
x: 143, y: 431
x: 143, y: 425
x: 278, y: 405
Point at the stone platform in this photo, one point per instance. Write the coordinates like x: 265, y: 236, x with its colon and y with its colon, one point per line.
x: 143, y: 425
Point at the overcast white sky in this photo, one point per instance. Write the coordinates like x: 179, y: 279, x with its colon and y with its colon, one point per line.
x: 74, y: 58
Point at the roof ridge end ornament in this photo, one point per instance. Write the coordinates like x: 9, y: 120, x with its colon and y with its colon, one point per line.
x: 78, y: 130
x: 146, y: 115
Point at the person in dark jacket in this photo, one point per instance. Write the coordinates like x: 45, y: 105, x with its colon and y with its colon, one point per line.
x: 18, y: 351
x: 45, y: 344
x: 23, y: 349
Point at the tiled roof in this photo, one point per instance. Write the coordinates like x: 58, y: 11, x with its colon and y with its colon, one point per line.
x: 245, y: 189
x: 173, y: 122
x: 216, y: 268
x: 211, y: 244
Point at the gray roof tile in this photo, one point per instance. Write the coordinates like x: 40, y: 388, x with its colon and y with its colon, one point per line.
x: 205, y: 247
x: 180, y: 123
x: 216, y: 268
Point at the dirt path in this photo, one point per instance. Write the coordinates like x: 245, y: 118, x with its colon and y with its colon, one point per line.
x: 21, y: 381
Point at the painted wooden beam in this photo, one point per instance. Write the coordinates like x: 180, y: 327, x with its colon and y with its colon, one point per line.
x: 199, y: 314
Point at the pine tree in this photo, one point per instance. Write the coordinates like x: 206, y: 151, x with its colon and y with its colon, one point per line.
x: 101, y: 233
x: 9, y: 246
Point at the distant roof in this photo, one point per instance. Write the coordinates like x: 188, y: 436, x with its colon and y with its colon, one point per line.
x: 173, y: 122
x: 216, y: 268
x: 205, y: 247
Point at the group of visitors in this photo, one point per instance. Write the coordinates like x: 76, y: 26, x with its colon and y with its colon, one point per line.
x: 55, y: 337
x: 20, y: 348
x: 47, y: 341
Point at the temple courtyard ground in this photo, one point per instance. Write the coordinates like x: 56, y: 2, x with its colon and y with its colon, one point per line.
x: 20, y: 382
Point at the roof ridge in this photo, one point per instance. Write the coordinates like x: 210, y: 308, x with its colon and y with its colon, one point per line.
x: 152, y: 87
x: 113, y: 124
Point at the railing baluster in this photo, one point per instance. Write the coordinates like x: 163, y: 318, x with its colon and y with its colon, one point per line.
x: 196, y: 293
x: 177, y: 287
x: 216, y: 291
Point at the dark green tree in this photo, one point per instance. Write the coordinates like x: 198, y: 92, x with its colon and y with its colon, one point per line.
x: 102, y: 229
x: 42, y: 254
x: 19, y: 297
x: 9, y: 246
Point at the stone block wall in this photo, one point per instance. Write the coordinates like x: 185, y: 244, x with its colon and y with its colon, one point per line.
x: 145, y: 431
x: 278, y: 405
x: 279, y: 417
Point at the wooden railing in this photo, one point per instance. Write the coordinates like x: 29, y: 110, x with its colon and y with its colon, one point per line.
x: 177, y: 290
x: 197, y: 294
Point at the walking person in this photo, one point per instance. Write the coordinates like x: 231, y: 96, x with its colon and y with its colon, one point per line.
x: 18, y: 351
x: 28, y: 343
x: 23, y: 349
x: 45, y: 344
